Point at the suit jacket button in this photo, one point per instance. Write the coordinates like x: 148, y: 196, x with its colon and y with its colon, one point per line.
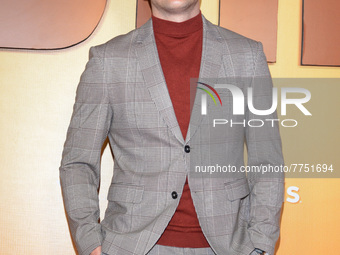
x: 174, y: 195
x: 187, y: 148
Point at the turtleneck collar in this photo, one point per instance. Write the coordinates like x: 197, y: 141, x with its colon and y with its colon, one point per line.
x: 177, y: 29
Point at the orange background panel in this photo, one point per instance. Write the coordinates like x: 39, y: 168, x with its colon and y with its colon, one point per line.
x: 143, y: 12
x: 47, y: 24
x: 256, y: 19
x: 321, y: 33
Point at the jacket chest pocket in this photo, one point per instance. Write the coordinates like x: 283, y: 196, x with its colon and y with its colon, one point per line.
x: 136, y: 111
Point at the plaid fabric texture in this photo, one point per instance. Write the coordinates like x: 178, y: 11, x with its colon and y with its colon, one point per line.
x: 122, y: 95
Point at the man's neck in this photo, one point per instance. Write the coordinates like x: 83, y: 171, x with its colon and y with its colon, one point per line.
x: 179, y: 16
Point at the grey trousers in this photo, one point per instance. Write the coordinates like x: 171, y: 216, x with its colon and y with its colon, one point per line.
x: 169, y: 250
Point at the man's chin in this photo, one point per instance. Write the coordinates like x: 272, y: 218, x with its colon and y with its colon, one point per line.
x: 178, y: 6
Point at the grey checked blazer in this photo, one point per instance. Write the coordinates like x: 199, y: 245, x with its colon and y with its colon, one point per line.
x: 122, y: 95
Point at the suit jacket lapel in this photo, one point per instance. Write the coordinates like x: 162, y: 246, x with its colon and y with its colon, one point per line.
x: 210, y: 66
x: 151, y: 68
x: 148, y: 59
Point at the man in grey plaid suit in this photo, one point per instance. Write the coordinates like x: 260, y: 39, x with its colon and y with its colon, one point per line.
x: 123, y: 95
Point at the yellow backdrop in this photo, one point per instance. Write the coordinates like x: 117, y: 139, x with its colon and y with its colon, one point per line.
x: 37, y: 91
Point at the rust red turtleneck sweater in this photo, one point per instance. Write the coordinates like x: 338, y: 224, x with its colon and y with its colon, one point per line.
x: 179, y: 48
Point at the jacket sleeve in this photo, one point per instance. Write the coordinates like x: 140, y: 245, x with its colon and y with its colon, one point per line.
x: 80, y: 164
x: 266, y: 180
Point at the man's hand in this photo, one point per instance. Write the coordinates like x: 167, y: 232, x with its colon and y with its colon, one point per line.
x: 97, y: 251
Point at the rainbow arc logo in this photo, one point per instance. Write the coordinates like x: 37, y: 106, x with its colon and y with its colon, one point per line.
x: 204, y: 97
